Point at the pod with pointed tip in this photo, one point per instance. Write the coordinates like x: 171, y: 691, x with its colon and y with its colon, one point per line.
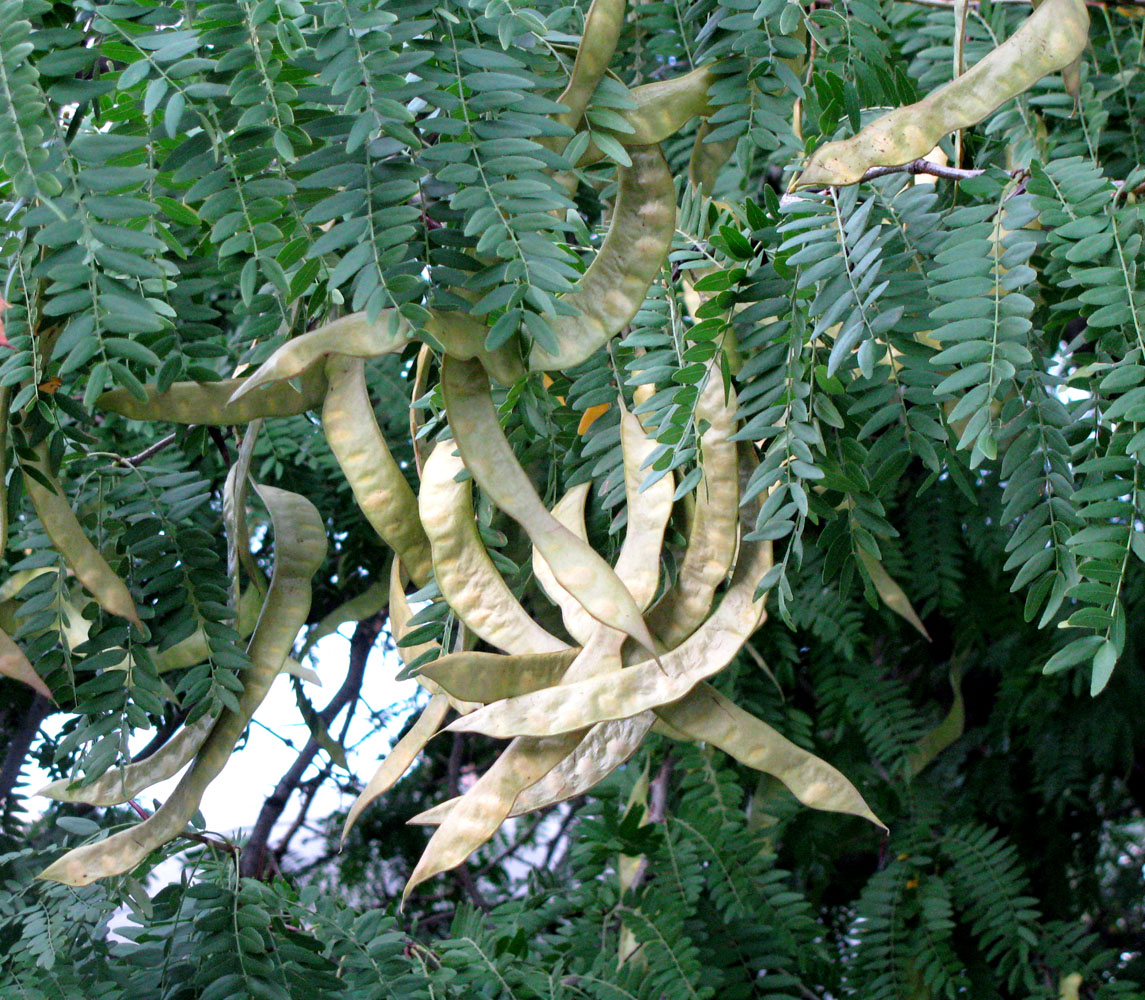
x: 469, y: 581
x: 209, y: 403
x: 569, y: 511
x: 368, y: 603
x: 399, y: 759
x: 616, y: 283
x: 300, y: 548
x: 646, y: 685
x: 489, y: 677
x: 713, y: 534
x: 67, y: 535
x: 891, y: 594
x: 489, y: 458
x: 379, y: 486
x: 1050, y: 39
x: 14, y: 664
x: 707, y: 716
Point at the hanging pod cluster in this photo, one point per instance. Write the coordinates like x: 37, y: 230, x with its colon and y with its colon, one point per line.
x: 634, y: 655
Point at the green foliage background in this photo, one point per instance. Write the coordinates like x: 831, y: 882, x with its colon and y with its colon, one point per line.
x: 183, y: 186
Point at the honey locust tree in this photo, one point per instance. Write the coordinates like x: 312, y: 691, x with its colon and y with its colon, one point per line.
x: 730, y: 413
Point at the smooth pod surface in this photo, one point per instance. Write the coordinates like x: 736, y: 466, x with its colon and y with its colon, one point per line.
x: 489, y: 677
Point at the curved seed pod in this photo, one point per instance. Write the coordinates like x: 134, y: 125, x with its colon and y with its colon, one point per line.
x: 67, y: 535
x: 234, y: 515
x: 353, y: 336
x: 892, y: 595
x: 489, y: 677
x: 125, y: 783
x: 613, y: 288
x: 399, y: 759
x: 707, y: 716
x: 485, y: 806
x: 945, y: 734
x: 209, y: 403
x: 300, y: 548
x: 628, y: 692
x: 368, y: 603
x: 1049, y: 40
x: 638, y: 564
x: 713, y: 534
x: 707, y: 159
x: 400, y: 614
x: 602, y: 751
x: 378, y: 484
x: 469, y: 581
x: 569, y: 511
x: 14, y: 664
x: 420, y: 382
x: 662, y: 109
x: 602, y: 26
x: 463, y: 337
x: 491, y: 461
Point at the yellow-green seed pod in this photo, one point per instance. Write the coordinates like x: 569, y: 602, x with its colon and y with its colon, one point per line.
x: 14, y: 664
x: 569, y: 511
x: 378, y: 483
x: 489, y: 677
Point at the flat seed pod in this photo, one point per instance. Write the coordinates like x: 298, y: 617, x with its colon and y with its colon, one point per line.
x: 602, y: 25
x: 67, y: 535
x: 662, y: 109
x: 489, y: 677
x: 399, y: 759
x: 891, y: 594
x: 613, y: 288
x: 569, y: 511
x: 210, y: 403
x: 14, y: 664
x: 707, y: 716
x: 646, y: 685
x: 469, y: 581
x: 1049, y: 40
x: 376, y: 479
x: 353, y: 336
x: 400, y: 614
x: 490, y: 459
x: 463, y: 337
x: 638, y: 564
x: 713, y: 534
x: 300, y: 548
x: 485, y: 806
x: 234, y: 514
x: 707, y: 159
x: 124, y: 783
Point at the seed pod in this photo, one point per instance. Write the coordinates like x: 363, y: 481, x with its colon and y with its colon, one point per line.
x: 489, y: 677
x: 491, y: 461
x: 124, y: 783
x: 707, y: 716
x: 378, y: 483
x: 485, y: 806
x: 569, y: 511
x: 14, y: 664
x: 892, y: 595
x: 67, y: 535
x: 399, y: 759
x: 469, y: 581
x: 602, y: 25
x: 300, y: 548
x: 1049, y: 40
x: 713, y: 534
x: 353, y: 336
x: 209, y: 403
x: 628, y: 692
x: 400, y: 614
x: 707, y: 159
x: 613, y: 288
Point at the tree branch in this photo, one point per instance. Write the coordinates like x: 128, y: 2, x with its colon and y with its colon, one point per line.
x: 255, y: 854
x: 19, y: 743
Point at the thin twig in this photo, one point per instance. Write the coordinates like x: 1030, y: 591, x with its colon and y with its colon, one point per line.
x: 517, y: 844
x: 150, y: 450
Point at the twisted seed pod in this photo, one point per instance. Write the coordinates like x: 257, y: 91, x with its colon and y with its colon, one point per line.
x: 707, y: 716
x: 354, y: 336
x: 491, y: 461
x: 602, y: 26
x: 210, y: 403
x: 489, y: 677
x: 378, y: 483
x: 583, y: 703
x: 300, y: 548
x: 469, y: 581
x: 713, y: 534
x: 613, y: 288
x: 484, y: 807
x: 1050, y: 39
x: 399, y: 759
x: 569, y: 511
x: 14, y: 664
x: 124, y: 783
x: 67, y: 535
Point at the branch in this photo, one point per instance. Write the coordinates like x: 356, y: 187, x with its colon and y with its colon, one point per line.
x: 150, y: 450
x: 19, y: 743
x: 255, y: 855
x: 927, y: 167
